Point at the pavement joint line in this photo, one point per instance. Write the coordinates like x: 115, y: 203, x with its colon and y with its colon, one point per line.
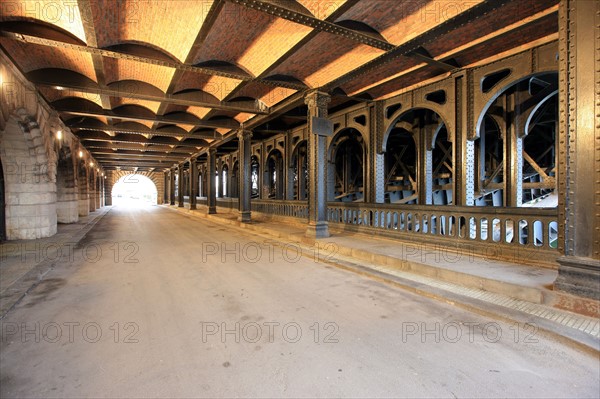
x: 514, y: 304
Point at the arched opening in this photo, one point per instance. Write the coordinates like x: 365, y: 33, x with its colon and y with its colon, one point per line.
x: 254, y: 175
x: 419, y: 160
x: 176, y: 188
x: 201, y: 184
x: 202, y: 181
x: 2, y: 205
x: 92, y: 191
x: 400, y: 167
x: 539, y: 156
x: 516, y: 149
x: 274, y: 177
x: 346, y: 183
x: 489, y: 150
x: 134, y: 190
x: 235, y: 180
x: 300, y: 171
x: 442, y: 169
x: 82, y: 179
x: 67, y: 206
x: 186, y: 183
x: 224, y: 177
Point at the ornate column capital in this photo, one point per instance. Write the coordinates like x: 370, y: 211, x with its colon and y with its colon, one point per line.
x: 317, y: 100
x: 244, y: 134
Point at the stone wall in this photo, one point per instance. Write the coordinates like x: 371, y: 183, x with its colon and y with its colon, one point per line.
x: 37, y: 151
x: 30, y: 188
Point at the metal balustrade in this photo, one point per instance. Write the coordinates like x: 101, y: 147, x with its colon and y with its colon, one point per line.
x: 525, y: 230
x: 524, y: 227
x: 295, y: 209
x: 227, y: 203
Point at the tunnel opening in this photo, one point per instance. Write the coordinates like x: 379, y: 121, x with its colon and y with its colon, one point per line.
x: 134, y: 190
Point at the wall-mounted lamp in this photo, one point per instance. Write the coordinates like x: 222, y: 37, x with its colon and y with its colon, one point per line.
x: 59, y: 135
x: 91, y: 164
x: 80, y: 154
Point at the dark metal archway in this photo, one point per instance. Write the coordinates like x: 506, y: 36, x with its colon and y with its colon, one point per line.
x: 300, y: 171
x: 254, y: 174
x: 274, y: 175
x: 516, y: 149
x: 348, y: 156
x: 419, y: 160
x: 235, y: 180
x: 401, y: 167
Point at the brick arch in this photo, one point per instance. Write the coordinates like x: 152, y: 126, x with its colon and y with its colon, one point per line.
x: 93, y: 194
x: 67, y: 190
x: 82, y: 179
x: 113, y: 176
x: 30, y: 179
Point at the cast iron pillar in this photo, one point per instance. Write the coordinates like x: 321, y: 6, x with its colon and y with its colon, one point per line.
x: 319, y: 127
x: 180, y: 185
x: 210, y: 181
x: 172, y: 187
x: 166, y: 185
x: 579, y: 148
x: 245, y: 177
x: 193, y: 183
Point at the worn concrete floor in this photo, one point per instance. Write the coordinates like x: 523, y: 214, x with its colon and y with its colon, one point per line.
x: 156, y: 304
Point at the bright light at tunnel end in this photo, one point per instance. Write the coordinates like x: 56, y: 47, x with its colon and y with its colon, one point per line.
x: 134, y: 190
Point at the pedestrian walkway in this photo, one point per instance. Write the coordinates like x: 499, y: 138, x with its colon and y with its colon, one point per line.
x: 23, y: 263
x: 488, y: 286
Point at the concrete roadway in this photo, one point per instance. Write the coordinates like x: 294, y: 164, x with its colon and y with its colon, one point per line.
x: 161, y: 307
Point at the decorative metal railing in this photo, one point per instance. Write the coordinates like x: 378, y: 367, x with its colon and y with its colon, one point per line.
x: 296, y: 209
x: 525, y: 227
x: 227, y: 203
x: 524, y: 230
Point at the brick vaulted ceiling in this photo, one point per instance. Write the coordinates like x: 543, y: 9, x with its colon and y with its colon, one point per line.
x: 149, y: 83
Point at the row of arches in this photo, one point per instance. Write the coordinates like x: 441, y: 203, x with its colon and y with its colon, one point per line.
x: 403, y: 175
x: 43, y: 183
x: 515, y: 147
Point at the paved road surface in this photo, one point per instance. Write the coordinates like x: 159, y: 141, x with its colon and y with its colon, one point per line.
x: 161, y: 307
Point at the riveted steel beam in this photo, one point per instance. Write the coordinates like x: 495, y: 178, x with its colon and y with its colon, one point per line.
x: 160, y: 119
x: 146, y: 60
x: 165, y: 149
x: 144, y: 131
x: 279, y: 10
x: 167, y: 98
x: 121, y: 154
